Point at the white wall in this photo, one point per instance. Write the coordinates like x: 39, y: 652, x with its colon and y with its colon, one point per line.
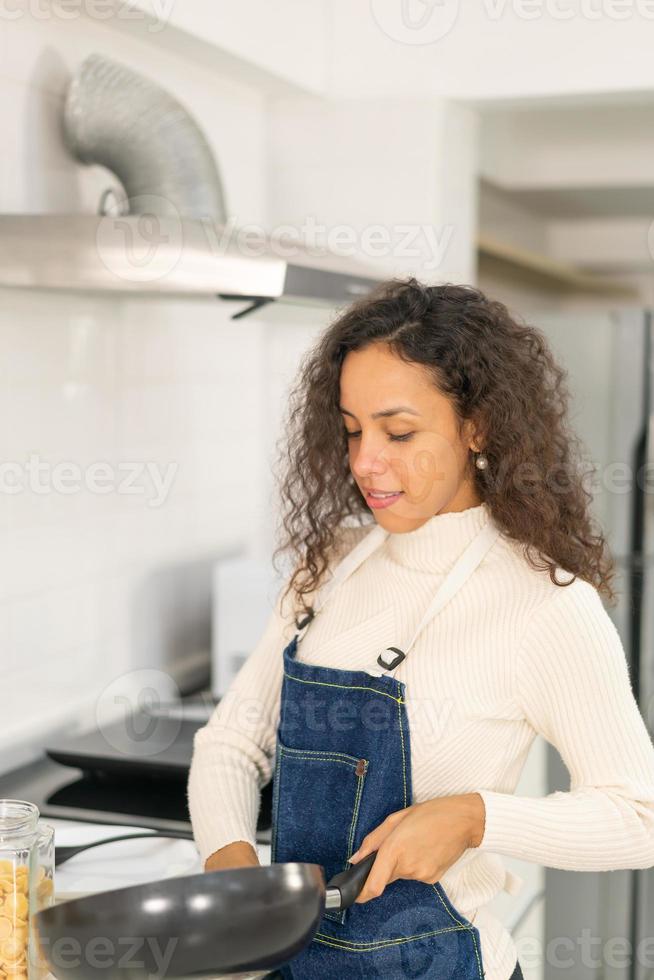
x: 94, y: 586
x: 480, y: 51
x: 288, y: 38
x: 492, y: 49
x: 404, y: 167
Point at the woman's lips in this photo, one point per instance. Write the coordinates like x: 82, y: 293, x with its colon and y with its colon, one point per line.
x: 377, y: 503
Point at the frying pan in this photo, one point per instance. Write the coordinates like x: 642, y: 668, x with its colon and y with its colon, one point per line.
x: 201, y: 925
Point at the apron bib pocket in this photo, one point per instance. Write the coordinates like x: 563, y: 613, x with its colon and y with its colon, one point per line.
x: 316, y: 800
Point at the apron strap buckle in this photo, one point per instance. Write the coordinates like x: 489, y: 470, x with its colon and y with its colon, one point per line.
x: 390, y: 664
x: 301, y: 623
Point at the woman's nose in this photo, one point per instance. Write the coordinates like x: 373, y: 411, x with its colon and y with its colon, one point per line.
x: 368, y: 458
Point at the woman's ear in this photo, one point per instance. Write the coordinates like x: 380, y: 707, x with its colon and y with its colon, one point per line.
x: 474, y: 436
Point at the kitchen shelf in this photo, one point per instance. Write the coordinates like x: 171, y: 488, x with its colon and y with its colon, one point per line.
x: 559, y: 273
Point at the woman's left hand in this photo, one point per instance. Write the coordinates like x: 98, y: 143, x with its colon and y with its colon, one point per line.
x: 421, y: 841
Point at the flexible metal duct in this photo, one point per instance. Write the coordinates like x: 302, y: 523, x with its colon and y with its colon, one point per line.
x: 125, y: 122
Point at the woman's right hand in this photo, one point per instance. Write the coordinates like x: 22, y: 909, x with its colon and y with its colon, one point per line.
x: 239, y: 854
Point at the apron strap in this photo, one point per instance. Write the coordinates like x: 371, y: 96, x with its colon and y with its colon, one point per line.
x: 373, y: 540
x: 460, y: 572
x: 462, y: 569
x: 464, y: 566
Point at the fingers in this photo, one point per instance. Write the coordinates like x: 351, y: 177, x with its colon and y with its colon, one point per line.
x: 374, y: 840
x: 381, y: 874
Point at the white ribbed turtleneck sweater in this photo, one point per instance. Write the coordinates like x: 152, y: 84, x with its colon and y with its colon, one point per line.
x: 511, y: 655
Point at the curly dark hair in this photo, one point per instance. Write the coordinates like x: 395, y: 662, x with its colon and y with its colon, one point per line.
x: 499, y: 372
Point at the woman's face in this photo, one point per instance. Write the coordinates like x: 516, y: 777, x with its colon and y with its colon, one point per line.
x: 403, y: 436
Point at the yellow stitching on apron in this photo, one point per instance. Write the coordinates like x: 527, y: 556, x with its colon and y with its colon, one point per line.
x: 347, y: 687
x: 399, y: 714
x: 273, y: 846
x: 469, y: 928
x: 326, y: 758
x: 340, y: 914
x: 347, y: 760
x: 350, y: 947
x: 355, y: 815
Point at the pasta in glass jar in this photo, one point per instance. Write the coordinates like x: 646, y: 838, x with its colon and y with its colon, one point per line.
x: 26, y: 886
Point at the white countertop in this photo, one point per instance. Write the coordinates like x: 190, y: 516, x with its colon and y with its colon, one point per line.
x: 125, y: 863
x: 122, y: 863
x: 117, y: 865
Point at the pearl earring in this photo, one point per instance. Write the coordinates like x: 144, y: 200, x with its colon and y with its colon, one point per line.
x: 481, y: 462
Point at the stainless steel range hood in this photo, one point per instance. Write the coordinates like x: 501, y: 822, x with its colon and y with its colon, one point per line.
x: 157, y: 254
x: 170, y: 233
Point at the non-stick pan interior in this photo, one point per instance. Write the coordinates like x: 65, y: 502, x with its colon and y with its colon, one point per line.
x: 201, y: 925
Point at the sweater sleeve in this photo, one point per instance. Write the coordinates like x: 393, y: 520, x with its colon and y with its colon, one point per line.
x: 233, y: 753
x: 573, y: 685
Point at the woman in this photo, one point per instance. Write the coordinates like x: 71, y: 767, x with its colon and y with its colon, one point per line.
x: 412, y: 658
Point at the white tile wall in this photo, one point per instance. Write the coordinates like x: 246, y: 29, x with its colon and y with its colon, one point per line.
x: 87, y: 379
x: 80, y: 387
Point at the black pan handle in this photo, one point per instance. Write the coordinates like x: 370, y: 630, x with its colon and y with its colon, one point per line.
x: 350, y: 882
x: 67, y: 851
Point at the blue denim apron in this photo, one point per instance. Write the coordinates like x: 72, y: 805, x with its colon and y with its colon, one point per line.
x: 342, y: 765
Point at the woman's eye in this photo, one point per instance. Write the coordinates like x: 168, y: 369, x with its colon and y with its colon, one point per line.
x: 403, y: 438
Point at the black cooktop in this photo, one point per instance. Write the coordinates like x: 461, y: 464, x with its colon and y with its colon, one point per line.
x: 111, y: 776
x: 152, y: 801
x: 146, y: 746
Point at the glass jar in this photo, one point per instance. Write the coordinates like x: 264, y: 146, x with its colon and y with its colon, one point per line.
x: 26, y: 885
